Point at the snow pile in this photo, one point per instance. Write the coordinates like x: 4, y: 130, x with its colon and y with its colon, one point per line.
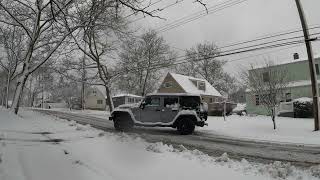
x: 315, y: 171
x: 278, y: 170
x: 80, y: 127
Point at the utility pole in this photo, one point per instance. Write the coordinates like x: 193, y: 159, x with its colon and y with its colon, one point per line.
x: 314, y: 83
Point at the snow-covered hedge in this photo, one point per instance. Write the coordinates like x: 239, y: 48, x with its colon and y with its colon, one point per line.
x: 303, y: 107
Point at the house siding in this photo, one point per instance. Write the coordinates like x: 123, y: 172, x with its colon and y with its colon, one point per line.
x: 176, y: 88
x: 297, y: 71
x: 92, y: 98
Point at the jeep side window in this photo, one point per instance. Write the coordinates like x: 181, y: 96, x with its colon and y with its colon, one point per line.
x: 170, y: 102
x: 152, y: 101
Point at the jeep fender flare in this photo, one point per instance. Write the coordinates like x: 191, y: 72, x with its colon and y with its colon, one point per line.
x: 122, y: 111
x: 185, y: 114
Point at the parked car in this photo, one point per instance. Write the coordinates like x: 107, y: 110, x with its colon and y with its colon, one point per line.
x: 181, y: 111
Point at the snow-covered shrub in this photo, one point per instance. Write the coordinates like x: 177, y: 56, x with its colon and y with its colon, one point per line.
x: 303, y: 107
x: 315, y: 171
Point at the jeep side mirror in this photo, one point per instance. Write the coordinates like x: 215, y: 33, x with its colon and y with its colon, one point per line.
x: 142, y: 104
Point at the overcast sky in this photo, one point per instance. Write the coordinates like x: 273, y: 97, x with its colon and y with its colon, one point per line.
x: 245, y: 21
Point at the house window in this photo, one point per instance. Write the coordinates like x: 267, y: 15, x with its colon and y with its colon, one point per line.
x: 266, y: 77
x: 288, y: 97
x: 130, y: 100
x: 257, y: 100
x: 201, y: 85
x: 99, y: 101
x: 167, y: 84
x: 211, y: 100
x: 317, y: 69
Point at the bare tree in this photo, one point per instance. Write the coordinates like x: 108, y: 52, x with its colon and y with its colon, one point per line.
x: 41, y: 23
x: 141, y: 61
x: 202, y: 62
x: 267, y: 84
x: 12, y: 40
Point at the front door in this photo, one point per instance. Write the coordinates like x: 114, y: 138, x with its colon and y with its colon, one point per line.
x: 151, y: 110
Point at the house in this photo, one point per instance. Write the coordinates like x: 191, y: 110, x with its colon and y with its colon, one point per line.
x: 299, y: 83
x: 95, y: 98
x: 177, y: 83
x: 125, y: 99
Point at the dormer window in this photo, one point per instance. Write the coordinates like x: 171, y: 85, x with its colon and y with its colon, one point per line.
x: 167, y: 84
x: 201, y: 85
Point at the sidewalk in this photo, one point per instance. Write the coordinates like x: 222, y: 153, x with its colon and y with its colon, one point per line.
x: 38, y: 147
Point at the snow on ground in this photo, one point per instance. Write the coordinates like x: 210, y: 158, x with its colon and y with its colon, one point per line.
x: 87, y: 153
x: 290, y: 130
x: 94, y: 113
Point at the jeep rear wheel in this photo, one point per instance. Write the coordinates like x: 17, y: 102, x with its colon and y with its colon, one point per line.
x: 122, y: 123
x: 186, y: 126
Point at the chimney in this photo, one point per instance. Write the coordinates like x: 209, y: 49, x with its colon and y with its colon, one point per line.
x: 295, y: 56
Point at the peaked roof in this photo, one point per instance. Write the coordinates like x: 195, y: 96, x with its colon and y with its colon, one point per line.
x: 189, y: 87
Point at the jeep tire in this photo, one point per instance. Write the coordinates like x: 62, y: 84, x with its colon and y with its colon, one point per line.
x: 122, y: 123
x: 186, y: 126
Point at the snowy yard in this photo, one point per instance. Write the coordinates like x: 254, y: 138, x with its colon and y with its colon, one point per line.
x: 291, y: 130
x: 38, y: 147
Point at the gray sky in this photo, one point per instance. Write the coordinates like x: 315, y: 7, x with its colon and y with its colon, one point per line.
x: 248, y: 20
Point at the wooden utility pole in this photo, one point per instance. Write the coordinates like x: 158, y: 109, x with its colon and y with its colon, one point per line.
x: 314, y: 83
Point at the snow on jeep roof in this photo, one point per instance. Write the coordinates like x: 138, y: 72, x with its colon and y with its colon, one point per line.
x: 172, y: 94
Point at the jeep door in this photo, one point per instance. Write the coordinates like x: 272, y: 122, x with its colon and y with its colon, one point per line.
x: 151, y: 109
x: 170, y: 109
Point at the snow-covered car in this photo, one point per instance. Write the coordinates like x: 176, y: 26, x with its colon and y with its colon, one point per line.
x: 181, y: 111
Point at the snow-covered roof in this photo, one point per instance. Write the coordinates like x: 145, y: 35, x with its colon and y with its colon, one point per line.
x: 300, y: 83
x: 129, y: 95
x: 172, y: 94
x: 187, y: 85
x: 296, y: 84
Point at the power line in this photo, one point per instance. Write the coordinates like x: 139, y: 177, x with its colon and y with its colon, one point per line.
x: 164, y: 65
x: 185, y: 20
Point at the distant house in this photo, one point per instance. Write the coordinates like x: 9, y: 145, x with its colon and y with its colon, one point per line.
x: 177, y: 83
x: 125, y: 99
x: 95, y: 98
x: 299, y: 83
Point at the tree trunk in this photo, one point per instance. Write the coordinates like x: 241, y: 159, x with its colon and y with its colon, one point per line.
x: 109, y: 99
x: 7, y: 89
x: 273, y: 119
x: 19, y: 89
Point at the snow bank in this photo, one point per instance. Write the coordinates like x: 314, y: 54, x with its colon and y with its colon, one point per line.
x: 303, y: 100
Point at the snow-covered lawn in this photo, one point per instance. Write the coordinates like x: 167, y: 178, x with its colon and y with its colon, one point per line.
x: 95, y: 113
x: 67, y: 150
x: 291, y: 130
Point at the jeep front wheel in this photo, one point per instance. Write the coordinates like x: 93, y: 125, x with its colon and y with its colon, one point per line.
x: 186, y: 126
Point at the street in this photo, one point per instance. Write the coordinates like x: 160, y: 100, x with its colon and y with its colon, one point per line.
x: 215, y: 145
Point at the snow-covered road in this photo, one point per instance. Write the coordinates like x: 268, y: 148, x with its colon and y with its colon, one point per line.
x: 36, y: 147
x: 212, y: 144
